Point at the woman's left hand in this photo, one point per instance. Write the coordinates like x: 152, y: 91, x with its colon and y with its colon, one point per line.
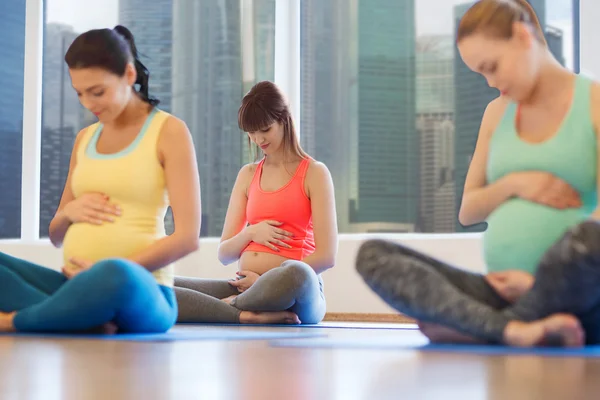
x: 245, y: 280
x: 510, y: 284
x: 78, y: 266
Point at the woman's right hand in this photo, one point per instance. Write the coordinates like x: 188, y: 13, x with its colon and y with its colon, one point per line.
x: 93, y: 208
x: 267, y: 233
x: 547, y: 189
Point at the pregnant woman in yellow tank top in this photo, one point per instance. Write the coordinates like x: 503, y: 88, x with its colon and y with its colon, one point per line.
x: 124, y: 172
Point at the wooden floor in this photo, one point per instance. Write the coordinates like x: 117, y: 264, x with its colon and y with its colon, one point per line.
x: 50, y: 369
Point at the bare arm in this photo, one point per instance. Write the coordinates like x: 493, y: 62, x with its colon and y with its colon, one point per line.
x: 60, y: 223
x: 322, y: 200
x: 596, y: 122
x: 177, y: 154
x: 235, y: 236
x: 480, y: 199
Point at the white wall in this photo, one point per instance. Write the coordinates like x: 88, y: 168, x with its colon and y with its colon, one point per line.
x: 590, y: 49
x: 344, y: 289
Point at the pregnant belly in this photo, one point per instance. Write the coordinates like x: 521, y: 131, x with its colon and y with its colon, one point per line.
x: 520, y: 232
x: 97, y: 242
x: 259, y: 262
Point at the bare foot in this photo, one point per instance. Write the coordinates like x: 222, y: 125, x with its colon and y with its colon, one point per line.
x: 562, y: 328
x: 276, y: 317
x: 6, y: 322
x: 441, y: 334
x: 229, y: 299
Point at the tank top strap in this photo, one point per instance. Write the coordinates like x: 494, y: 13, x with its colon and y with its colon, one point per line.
x: 582, y: 96
x: 150, y: 133
x: 86, y: 138
x: 257, y: 173
x: 303, y: 167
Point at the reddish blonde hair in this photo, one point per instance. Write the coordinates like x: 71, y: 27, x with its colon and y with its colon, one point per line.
x: 496, y: 18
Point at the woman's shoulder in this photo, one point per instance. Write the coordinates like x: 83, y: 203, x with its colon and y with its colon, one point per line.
x: 317, y: 171
x: 246, y: 173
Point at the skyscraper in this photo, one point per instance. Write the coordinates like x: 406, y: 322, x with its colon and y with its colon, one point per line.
x: 12, y: 58
x: 258, y: 52
x: 472, y: 96
x: 62, y: 117
x: 435, y: 123
x: 358, y: 108
x: 329, y: 72
x: 575, y: 9
x: 388, y: 156
x: 207, y: 90
x: 151, y: 22
x: 263, y: 21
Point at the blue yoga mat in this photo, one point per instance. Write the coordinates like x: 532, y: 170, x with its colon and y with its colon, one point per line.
x: 177, y: 335
x: 323, y: 325
x: 422, y: 344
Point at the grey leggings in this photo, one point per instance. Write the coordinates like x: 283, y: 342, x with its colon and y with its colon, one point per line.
x: 294, y: 286
x: 567, y: 281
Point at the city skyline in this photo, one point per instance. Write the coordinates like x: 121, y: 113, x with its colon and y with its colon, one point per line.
x: 12, y: 54
x: 380, y: 103
x: 82, y: 16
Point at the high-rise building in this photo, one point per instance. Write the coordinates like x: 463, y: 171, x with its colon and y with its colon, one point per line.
x: 358, y: 108
x: 435, y: 124
x: 62, y: 117
x: 575, y: 10
x: 12, y: 59
x: 207, y: 90
x: 258, y: 53
x: 472, y: 95
x: 263, y: 23
x: 554, y: 37
x: 151, y: 22
x: 388, y: 143
x: 329, y: 75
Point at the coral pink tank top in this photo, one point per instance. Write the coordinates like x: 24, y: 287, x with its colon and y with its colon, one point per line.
x: 288, y: 205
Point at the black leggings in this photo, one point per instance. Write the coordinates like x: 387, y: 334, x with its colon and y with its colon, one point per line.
x: 567, y: 281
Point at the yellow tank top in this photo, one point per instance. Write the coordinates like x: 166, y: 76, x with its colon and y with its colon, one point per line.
x: 133, y: 179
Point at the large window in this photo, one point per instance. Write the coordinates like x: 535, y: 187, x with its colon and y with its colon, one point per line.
x: 389, y: 106
x: 12, y: 55
x: 202, y: 56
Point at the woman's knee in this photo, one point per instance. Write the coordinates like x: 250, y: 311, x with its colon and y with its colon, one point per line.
x: 582, y: 242
x: 118, y: 275
x: 297, y: 272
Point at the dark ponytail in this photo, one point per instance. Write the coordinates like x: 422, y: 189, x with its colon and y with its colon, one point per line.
x: 111, y: 49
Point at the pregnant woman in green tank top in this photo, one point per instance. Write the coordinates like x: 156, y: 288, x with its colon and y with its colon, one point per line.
x: 533, y: 178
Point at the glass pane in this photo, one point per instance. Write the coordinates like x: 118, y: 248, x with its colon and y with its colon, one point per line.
x: 12, y: 62
x: 198, y: 69
x: 390, y: 107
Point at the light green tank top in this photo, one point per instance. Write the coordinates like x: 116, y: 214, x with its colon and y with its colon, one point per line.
x: 519, y: 231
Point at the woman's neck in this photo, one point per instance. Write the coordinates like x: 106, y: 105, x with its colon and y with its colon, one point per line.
x: 553, y: 80
x: 135, y: 109
x: 280, y: 158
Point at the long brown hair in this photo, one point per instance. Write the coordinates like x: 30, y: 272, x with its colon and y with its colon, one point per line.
x: 264, y: 105
x: 496, y: 18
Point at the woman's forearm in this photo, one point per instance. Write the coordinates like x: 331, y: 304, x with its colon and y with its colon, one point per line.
x: 231, y: 249
x: 166, y: 251
x: 478, y: 204
x: 319, y: 262
x: 58, y: 229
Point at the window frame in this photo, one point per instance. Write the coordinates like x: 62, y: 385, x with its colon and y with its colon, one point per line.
x: 287, y: 76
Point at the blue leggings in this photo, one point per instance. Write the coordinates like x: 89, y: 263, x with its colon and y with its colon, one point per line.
x: 113, y: 290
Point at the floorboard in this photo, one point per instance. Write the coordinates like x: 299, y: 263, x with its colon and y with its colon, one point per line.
x: 49, y: 369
